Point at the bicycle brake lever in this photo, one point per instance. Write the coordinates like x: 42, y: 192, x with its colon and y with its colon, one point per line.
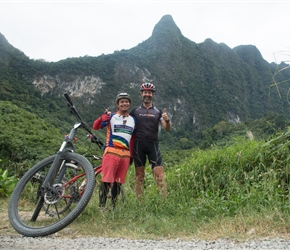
x: 96, y: 140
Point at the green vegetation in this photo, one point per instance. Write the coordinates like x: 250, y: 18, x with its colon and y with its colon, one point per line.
x: 7, y: 183
x: 236, y: 191
x: 24, y: 138
x: 239, y: 190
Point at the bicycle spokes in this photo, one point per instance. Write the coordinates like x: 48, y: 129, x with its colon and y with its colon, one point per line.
x: 40, y: 206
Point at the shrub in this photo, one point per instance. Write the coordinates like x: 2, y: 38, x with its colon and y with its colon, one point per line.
x: 7, y: 183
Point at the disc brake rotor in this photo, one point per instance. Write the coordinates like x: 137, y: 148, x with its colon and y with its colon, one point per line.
x: 55, y: 194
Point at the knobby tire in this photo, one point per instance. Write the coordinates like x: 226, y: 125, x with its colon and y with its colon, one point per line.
x: 58, y: 209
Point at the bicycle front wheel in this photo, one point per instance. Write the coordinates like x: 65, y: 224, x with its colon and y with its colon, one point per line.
x: 34, y: 212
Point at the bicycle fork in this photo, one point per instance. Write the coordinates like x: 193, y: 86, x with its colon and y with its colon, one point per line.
x: 47, y: 187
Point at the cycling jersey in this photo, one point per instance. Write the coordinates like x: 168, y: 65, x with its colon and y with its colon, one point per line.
x: 119, y: 131
x: 147, y: 123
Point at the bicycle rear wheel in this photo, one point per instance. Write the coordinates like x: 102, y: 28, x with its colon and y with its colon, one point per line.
x: 59, y: 207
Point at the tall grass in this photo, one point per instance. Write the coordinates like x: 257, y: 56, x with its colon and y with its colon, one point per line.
x: 238, y: 191
x: 228, y: 181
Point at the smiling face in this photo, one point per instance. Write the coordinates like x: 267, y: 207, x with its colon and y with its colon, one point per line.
x: 124, y: 105
x: 147, y: 96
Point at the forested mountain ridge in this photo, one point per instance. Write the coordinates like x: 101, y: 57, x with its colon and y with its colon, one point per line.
x: 199, y: 84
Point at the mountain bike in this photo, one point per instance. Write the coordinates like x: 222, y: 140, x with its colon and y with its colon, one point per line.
x: 54, y: 192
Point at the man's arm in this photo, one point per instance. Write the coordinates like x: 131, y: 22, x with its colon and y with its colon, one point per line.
x: 165, y: 121
x: 101, y: 121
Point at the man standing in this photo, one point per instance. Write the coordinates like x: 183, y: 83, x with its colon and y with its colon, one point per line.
x: 116, y: 158
x: 146, y: 144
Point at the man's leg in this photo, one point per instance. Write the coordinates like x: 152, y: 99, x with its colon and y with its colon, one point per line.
x: 109, y: 165
x: 139, y: 184
x: 158, y: 173
x: 103, y: 193
x: 115, y: 191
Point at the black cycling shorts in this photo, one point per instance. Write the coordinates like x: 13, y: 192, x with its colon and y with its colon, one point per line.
x: 144, y: 150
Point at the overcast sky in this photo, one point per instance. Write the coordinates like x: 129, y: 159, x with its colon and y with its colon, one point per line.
x: 56, y: 30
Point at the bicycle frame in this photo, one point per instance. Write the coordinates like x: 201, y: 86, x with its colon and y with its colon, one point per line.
x: 97, y: 170
x: 66, y: 146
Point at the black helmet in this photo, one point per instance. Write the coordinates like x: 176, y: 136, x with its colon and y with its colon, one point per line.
x: 147, y: 86
x: 123, y: 96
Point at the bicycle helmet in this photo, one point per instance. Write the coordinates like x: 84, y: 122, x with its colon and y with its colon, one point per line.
x: 147, y: 86
x: 123, y: 96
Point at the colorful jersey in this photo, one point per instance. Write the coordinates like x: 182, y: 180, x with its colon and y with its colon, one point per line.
x: 119, y: 131
x: 147, y: 123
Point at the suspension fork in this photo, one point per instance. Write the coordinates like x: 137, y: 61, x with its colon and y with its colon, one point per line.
x: 65, y: 147
x: 53, y: 170
x: 47, y: 183
x: 46, y: 186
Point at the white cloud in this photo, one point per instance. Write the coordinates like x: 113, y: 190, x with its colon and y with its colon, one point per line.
x: 55, y: 30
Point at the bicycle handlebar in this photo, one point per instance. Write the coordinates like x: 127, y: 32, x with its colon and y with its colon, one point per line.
x: 73, y: 110
x: 68, y: 99
x: 72, y: 107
